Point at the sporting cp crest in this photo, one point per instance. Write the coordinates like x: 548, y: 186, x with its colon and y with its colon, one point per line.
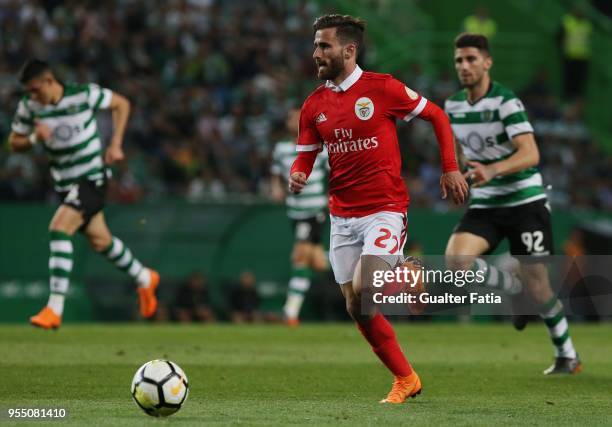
x: 364, y: 108
x: 487, y: 116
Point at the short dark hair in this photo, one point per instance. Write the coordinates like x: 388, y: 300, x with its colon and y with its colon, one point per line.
x: 32, y: 69
x: 348, y: 28
x: 478, y: 41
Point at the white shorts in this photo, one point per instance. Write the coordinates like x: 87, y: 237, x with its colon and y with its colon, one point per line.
x: 382, y: 233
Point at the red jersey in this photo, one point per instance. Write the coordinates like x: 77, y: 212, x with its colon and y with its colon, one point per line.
x: 357, y: 123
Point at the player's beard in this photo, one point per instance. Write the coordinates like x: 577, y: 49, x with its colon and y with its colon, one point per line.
x: 472, y: 82
x: 334, y: 67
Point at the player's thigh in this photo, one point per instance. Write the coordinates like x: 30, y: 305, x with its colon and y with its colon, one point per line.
x: 365, y: 272
x: 384, y: 233
x: 384, y: 239
x: 465, y: 243
x: 530, y: 230
x: 462, y: 248
x: 98, y: 233
x: 477, y: 233
x: 87, y: 198
x: 345, y: 248
x: 66, y: 219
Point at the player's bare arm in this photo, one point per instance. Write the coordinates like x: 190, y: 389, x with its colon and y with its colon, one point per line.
x: 526, y: 156
x: 120, y: 108
x: 19, y: 142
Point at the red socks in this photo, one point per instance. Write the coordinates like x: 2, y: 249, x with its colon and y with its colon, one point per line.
x: 379, y: 333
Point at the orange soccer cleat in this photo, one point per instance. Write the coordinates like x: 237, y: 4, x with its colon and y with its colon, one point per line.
x: 292, y: 322
x: 146, y: 296
x: 403, y: 388
x: 46, y: 319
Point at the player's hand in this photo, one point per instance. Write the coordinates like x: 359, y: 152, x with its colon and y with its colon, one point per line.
x: 297, y: 181
x: 114, y: 152
x: 480, y: 174
x: 454, y: 183
x: 42, y: 131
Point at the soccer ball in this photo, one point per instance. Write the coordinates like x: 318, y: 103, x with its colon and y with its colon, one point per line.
x: 160, y: 388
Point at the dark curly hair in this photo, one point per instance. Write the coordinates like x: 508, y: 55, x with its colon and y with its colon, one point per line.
x: 348, y: 28
x: 478, y: 41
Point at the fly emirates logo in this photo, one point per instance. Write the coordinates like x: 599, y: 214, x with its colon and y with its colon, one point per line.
x: 346, y: 144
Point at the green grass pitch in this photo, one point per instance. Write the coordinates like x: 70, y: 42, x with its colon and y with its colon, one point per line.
x: 474, y: 374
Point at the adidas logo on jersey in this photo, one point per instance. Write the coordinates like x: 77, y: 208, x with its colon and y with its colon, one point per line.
x: 320, y: 118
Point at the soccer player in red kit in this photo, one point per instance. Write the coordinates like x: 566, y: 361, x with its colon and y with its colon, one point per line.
x: 354, y: 115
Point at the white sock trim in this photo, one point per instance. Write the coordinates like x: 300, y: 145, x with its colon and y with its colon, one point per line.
x: 135, y: 269
x: 61, y: 246
x: 62, y: 263
x: 125, y: 259
x: 144, y: 277
x: 56, y: 303
x: 567, y: 349
x: 299, y: 284
x: 116, y: 249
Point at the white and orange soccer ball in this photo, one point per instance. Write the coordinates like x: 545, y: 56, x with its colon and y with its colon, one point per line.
x: 160, y: 388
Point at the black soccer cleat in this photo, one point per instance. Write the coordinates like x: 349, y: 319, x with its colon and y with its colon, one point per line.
x: 519, y: 321
x: 565, y: 365
x: 519, y: 305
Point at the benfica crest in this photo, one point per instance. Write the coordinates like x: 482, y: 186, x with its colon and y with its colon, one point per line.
x: 364, y: 108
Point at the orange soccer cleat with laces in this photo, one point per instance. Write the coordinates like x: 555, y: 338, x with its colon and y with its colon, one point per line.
x: 403, y: 388
x: 46, y: 319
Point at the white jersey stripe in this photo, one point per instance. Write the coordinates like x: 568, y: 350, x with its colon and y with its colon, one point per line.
x: 417, y: 110
x: 310, y: 147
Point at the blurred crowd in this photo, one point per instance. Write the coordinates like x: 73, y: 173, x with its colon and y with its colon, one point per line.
x: 210, y: 82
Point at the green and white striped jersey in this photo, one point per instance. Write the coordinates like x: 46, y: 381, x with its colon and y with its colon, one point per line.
x: 312, y: 201
x: 75, y: 148
x: 485, y: 130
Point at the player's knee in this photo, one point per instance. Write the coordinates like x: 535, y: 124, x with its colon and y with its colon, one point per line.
x: 100, y: 243
x: 457, y: 262
x: 353, y: 305
x: 60, y: 227
x: 300, y: 254
x: 454, y: 259
x: 58, y: 224
x: 354, y: 310
x: 299, y: 260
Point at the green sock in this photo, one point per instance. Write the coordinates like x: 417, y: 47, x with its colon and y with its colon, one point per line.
x: 558, y: 329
